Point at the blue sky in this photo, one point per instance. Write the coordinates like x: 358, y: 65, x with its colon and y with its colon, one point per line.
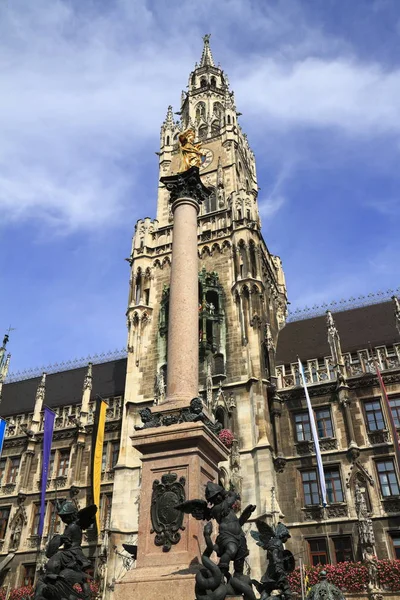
x: 85, y: 87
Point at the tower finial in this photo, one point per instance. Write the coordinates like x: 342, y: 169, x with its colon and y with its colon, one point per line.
x: 207, y: 57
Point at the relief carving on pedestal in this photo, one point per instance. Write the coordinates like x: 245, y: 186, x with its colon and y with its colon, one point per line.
x: 166, y: 520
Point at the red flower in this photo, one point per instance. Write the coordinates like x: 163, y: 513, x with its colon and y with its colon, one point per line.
x: 226, y: 437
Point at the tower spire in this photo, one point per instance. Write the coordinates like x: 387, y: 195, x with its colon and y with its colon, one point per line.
x: 207, y: 57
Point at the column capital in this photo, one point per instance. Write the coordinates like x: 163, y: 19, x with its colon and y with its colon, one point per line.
x: 186, y: 185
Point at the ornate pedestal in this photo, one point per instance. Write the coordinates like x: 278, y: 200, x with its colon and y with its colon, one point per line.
x: 190, y: 452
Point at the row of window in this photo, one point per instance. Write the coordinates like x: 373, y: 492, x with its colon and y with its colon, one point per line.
x: 323, y: 419
x: 342, y: 549
x: 387, y: 477
x: 58, y: 465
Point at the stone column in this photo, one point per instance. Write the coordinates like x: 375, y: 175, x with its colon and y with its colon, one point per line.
x: 186, y: 194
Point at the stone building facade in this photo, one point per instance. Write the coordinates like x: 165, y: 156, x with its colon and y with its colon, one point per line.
x: 363, y: 491
x: 248, y: 379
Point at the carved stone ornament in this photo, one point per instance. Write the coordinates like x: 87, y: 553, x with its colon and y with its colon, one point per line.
x: 186, y: 185
x: 280, y: 463
x: 165, y: 519
x: 193, y: 413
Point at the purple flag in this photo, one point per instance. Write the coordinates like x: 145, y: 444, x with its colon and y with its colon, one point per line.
x: 49, y: 418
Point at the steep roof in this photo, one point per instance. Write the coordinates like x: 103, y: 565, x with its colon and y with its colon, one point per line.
x: 64, y: 388
x: 357, y: 327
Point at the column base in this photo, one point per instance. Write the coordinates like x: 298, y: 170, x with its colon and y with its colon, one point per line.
x: 192, y: 452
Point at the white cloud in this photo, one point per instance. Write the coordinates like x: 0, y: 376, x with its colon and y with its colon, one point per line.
x: 84, y: 93
x: 270, y: 205
x: 360, y: 99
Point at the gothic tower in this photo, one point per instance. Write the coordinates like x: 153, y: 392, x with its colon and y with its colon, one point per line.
x: 242, y: 304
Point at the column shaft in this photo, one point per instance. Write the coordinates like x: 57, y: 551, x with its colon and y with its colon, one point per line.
x: 183, y: 325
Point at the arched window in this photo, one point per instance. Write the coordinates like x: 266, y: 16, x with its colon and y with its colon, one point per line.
x: 138, y: 291
x: 212, y: 201
x: 203, y: 82
x: 267, y: 365
x: 253, y: 260
x: 247, y: 185
x: 218, y: 110
x: 229, y: 119
x: 221, y: 417
x: 215, y: 127
x: 200, y: 111
x: 213, y: 83
x: 202, y: 132
x: 193, y: 80
x: 167, y: 142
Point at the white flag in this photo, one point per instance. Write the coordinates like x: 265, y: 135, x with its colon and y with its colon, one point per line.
x: 314, y: 436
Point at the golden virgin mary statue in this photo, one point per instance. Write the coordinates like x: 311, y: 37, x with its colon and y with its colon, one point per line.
x: 191, y: 153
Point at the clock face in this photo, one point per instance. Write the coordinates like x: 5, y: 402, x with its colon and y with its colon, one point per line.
x: 207, y: 158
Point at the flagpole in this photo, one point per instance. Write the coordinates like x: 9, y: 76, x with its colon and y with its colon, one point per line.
x: 320, y: 466
x: 302, y: 578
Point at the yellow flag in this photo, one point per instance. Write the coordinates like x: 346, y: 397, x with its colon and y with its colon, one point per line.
x: 97, y: 453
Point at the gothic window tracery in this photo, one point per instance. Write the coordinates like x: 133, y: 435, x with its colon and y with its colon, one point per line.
x: 203, y: 82
x: 218, y: 111
x: 211, y: 322
x: 138, y: 286
x: 253, y: 259
x: 200, y: 111
x: 213, y: 83
x: 202, y: 132
x: 215, y: 127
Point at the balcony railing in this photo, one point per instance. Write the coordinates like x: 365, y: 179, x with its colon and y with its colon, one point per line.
x: 66, y: 417
x: 323, y: 370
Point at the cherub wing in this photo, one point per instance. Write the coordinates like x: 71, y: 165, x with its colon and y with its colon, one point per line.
x: 86, y: 516
x: 263, y: 535
x: 197, y: 508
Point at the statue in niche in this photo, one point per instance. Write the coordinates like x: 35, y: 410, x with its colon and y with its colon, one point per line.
x: 16, y: 536
x: 67, y: 565
x: 230, y: 545
x: 280, y: 561
x: 371, y: 563
x: 191, y: 153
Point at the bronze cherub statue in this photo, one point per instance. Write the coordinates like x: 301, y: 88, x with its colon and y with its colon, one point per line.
x: 280, y: 561
x: 67, y: 564
x: 230, y: 545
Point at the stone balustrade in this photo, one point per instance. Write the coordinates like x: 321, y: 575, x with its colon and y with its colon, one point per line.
x: 323, y: 370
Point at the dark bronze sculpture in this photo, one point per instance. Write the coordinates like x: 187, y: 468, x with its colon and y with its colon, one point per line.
x: 67, y: 564
x: 191, y: 414
x: 231, y: 545
x: 280, y: 561
x: 324, y: 590
x: 212, y: 583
